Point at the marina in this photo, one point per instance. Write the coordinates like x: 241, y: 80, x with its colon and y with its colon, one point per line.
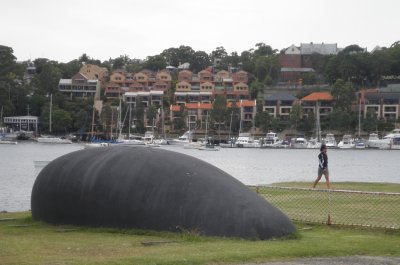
x: 21, y: 163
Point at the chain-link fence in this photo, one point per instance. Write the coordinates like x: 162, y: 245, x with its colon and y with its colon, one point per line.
x: 372, y: 209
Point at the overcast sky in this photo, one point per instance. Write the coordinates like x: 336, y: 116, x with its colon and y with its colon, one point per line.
x: 64, y: 30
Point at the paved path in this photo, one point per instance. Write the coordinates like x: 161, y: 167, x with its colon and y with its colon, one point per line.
x: 353, y: 260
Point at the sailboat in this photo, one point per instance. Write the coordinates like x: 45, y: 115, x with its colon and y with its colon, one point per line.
x: 208, y: 145
x: 231, y: 142
x: 316, y: 142
x: 52, y: 139
x: 359, y: 142
x: 189, y: 144
x: 129, y: 141
x: 162, y: 140
x: 3, y: 138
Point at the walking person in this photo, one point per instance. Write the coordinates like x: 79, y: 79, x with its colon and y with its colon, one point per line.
x: 322, y: 167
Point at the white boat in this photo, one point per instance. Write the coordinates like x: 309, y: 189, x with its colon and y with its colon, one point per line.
x: 313, y: 144
x: 395, y: 142
x: 121, y: 141
x: 384, y: 143
x: 209, y: 147
x: 247, y: 141
x: 95, y: 145
x: 347, y: 142
x: 271, y: 140
x: 299, y: 142
x: 330, y: 140
x: 359, y: 144
x: 148, y: 138
x: 192, y: 145
x: 2, y: 141
x: 229, y: 144
x: 161, y: 141
x: 53, y: 140
x: 181, y: 140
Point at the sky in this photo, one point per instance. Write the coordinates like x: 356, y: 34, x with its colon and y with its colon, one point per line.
x: 64, y: 30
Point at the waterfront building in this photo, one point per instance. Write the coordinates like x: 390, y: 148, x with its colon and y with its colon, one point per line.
x: 279, y: 105
x: 145, y: 80
x: 22, y: 123
x: 80, y: 86
x: 321, y: 101
x: 93, y: 72
x: 385, y: 105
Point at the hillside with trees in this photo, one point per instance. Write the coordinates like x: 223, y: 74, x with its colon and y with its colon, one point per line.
x: 23, y: 92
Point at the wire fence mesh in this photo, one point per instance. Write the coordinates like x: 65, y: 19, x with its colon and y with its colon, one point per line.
x: 372, y: 209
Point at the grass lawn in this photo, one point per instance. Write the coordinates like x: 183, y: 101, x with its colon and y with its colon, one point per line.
x: 25, y: 241
x: 371, y: 207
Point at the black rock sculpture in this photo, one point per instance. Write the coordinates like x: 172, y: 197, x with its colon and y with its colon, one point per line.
x: 139, y: 187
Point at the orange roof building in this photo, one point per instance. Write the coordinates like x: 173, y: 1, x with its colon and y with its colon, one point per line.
x: 318, y: 96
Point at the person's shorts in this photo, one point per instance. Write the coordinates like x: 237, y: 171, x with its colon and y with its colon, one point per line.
x: 322, y: 171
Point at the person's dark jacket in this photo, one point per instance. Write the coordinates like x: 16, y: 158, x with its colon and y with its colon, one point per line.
x: 323, y: 160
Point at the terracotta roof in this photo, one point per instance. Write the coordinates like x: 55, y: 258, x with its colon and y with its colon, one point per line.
x: 175, y: 107
x: 199, y: 106
x: 318, y: 96
x: 243, y: 103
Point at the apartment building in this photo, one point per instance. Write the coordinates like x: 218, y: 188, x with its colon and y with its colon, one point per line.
x: 192, y: 86
x: 385, y: 105
x: 279, y: 105
x: 318, y: 101
x: 196, y: 113
x: 145, y: 80
x: 93, y: 72
x: 80, y: 86
x: 296, y: 61
x: 144, y: 98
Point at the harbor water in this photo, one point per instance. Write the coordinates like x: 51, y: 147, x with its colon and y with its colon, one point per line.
x: 20, y: 164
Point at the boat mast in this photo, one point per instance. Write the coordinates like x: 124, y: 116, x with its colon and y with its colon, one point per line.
x: 129, y: 123
x: 230, y: 126
x: 359, y: 118
x: 318, y: 125
x: 205, y: 136
x: 119, y: 120
x: 51, y: 106
x: 163, y: 122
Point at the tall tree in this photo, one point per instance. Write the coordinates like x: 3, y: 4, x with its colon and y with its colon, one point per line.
x: 344, y: 95
x: 219, y: 111
x: 155, y: 63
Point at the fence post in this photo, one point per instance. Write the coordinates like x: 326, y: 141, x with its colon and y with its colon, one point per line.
x: 329, y: 221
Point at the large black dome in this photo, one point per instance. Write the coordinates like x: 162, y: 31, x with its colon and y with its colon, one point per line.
x: 139, y: 187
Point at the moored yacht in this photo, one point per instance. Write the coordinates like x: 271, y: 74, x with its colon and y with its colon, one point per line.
x: 271, y: 140
x: 347, y: 142
x: 384, y: 143
x: 395, y: 142
x: 246, y: 140
x: 330, y: 140
x: 298, y: 142
x: 53, y: 140
x: 183, y: 139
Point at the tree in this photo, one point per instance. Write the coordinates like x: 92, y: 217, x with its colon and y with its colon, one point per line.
x: 344, y: 95
x: 219, y: 110
x: 177, y: 56
x: 370, y: 122
x: 199, y: 61
x: 263, y: 120
x: 61, y: 121
x: 340, y: 119
x: 264, y: 50
x: 296, y: 115
x: 48, y: 78
x: 155, y: 63
x: 217, y: 58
